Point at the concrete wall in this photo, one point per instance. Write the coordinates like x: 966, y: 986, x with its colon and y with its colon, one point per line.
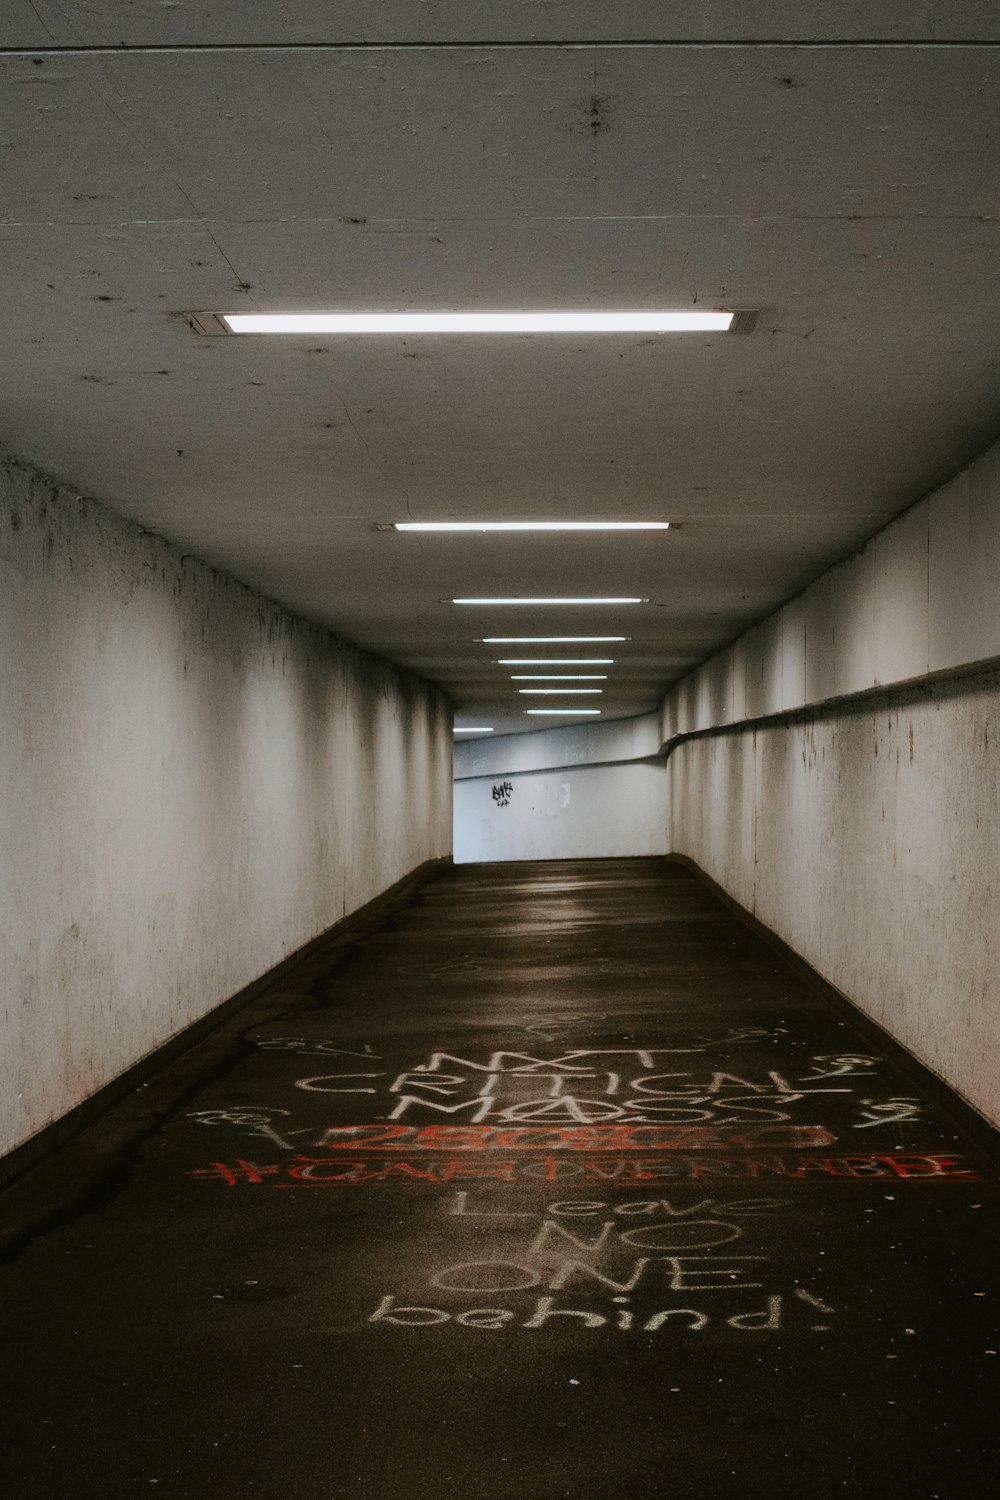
x: 582, y: 792
x: 193, y: 783
x: 862, y: 824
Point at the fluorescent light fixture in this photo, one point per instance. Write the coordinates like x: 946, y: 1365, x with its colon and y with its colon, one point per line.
x: 472, y: 729
x: 559, y: 677
x: 531, y: 525
x: 479, y: 322
x: 542, y: 640
x: 557, y: 692
x: 603, y: 600
x: 576, y: 712
x: 556, y: 661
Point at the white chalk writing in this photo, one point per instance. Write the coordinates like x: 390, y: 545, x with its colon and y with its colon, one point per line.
x: 888, y: 1112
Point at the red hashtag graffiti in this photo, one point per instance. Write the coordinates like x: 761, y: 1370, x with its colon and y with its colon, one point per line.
x: 240, y: 1171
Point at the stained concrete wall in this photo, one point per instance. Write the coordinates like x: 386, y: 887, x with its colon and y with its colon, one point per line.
x: 591, y: 790
x: 193, y: 783
x: 841, y: 778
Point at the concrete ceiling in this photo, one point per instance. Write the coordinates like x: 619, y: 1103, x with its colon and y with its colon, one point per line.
x: 158, y: 158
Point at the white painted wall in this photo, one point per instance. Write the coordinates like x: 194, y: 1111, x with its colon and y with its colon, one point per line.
x: 864, y: 826
x: 585, y: 791
x: 576, y: 812
x: 193, y: 783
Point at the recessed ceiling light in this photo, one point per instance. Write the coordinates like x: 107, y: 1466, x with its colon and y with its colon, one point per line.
x: 559, y: 677
x: 605, y: 600
x: 472, y: 729
x: 531, y: 525
x: 541, y: 640
x: 556, y: 661
x: 479, y: 322
x: 576, y: 712
x: 557, y: 692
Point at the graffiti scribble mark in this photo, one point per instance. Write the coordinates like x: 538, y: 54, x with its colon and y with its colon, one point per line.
x: 238, y: 1116
x: 840, y: 1065
x: 901, y: 1111
x: 736, y: 1034
x: 256, y: 1122
x: 551, y: 1028
x: 813, y: 1301
x: 313, y: 1046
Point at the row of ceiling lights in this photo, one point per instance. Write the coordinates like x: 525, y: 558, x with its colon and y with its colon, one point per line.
x: 662, y: 321
x: 545, y: 661
x: 553, y: 661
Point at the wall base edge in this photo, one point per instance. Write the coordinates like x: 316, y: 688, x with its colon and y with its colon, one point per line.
x: 943, y: 1094
x: 343, y: 932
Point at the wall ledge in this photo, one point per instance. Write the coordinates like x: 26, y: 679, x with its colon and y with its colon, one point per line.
x: 587, y: 765
x: 949, y: 683
x: 592, y: 742
x: 916, y: 602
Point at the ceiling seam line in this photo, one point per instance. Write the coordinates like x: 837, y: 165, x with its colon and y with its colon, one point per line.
x: 607, y: 44
x: 202, y: 220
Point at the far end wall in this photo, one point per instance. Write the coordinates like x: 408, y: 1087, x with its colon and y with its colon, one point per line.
x: 584, y: 792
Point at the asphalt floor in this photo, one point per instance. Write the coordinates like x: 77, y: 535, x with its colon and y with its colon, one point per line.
x: 563, y: 1183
